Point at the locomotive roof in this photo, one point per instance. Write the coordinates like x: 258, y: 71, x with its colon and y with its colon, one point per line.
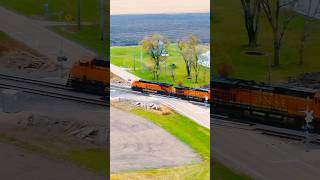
x: 196, y: 89
x: 158, y: 83
x: 280, y: 89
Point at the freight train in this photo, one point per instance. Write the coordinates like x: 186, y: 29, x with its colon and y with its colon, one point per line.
x: 92, y: 75
x: 280, y: 105
x: 197, y: 94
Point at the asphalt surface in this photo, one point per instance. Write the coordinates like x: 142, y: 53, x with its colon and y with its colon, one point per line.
x: 35, y: 35
x: 265, y: 157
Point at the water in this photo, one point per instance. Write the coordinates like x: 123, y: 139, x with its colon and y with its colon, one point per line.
x: 131, y: 29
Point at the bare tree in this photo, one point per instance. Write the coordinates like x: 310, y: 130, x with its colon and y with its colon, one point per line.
x: 252, y: 13
x: 278, y: 22
x: 157, y: 47
x: 186, y: 47
x: 313, y: 9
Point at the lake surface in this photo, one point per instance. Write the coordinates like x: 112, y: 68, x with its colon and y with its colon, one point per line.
x: 131, y: 29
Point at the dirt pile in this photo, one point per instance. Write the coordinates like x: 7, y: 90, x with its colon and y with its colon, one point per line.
x: 17, y: 56
x: 81, y: 130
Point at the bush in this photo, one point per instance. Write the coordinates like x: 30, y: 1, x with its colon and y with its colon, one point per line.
x: 225, y: 70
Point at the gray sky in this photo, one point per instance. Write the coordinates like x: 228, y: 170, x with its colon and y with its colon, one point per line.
x: 158, y: 6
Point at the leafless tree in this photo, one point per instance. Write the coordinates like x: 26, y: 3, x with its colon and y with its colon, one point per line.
x: 312, y: 11
x: 278, y: 21
x: 252, y: 13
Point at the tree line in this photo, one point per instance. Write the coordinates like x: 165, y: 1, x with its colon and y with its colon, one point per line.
x: 190, y: 48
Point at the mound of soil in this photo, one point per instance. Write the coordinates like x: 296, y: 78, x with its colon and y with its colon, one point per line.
x: 81, y: 130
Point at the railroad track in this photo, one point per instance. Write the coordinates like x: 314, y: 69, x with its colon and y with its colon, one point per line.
x: 129, y: 90
x: 226, y: 122
x: 35, y: 82
x: 48, y: 89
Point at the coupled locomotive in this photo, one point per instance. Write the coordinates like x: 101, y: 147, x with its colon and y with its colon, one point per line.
x: 281, y: 105
x: 197, y: 94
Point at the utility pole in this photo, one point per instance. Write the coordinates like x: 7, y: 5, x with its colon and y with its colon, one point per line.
x: 102, y: 20
x: 78, y: 14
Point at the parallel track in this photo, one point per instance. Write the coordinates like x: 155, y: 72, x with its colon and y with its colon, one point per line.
x: 129, y: 90
x: 65, y: 91
x: 217, y: 120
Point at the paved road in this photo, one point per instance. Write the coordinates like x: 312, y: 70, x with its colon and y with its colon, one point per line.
x: 19, y: 164
x: 35, y: 35
x: 264, y: 157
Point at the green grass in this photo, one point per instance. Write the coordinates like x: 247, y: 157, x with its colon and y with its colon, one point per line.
x: 89, y: 8
x: 92, y: 159
x: 192, y: 134
x: 229, y: 36
x: 183, y: 128
x: 124, y: 56
x: 88, y: 36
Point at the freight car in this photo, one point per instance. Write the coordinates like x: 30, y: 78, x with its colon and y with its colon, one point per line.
x: 183, y: 92
x: 276, y: 105
x: 90, y: 76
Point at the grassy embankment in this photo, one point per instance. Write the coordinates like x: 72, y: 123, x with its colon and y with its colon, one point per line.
x: 192, y: 134
x: 35, y: 8
x: 230, y: 36
x: 94, y: 159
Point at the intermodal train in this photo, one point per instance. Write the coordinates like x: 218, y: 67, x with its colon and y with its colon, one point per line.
x: 90, y: 76
x: 197, y: 94
x: 281, y: 105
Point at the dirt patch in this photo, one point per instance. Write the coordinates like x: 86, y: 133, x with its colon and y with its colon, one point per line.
x: 34, y: 127
x: 128, y: 105
x: 16, y: 56
x: 116, y: 79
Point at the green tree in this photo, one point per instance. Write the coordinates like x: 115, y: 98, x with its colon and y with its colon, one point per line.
x: 156, y: 46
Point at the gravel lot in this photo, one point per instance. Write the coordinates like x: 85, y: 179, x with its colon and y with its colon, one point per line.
x: 136, y: 143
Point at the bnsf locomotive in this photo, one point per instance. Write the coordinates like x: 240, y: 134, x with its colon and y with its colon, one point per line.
x: 277, y: 105
x: 183, y: 92
x: 90, y: 76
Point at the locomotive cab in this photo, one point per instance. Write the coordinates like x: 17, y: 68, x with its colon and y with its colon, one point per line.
x: 90, y: 76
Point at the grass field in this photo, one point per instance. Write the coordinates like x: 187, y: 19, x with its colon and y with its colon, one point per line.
x: 124, y: 56
x: 35, y: 8
x: 192, y: 134
x: 92, y: 159
x: 229, y: 36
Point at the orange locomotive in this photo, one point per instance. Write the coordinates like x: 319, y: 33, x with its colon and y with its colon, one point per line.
x: 90, y: 76
x: 168, y: 89
x: 282, y: 105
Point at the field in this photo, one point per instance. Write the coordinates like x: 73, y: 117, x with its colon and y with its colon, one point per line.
x: 58, y: 9
x: 230, y: 37
x: 124, y: 56
x: 197, y: 137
